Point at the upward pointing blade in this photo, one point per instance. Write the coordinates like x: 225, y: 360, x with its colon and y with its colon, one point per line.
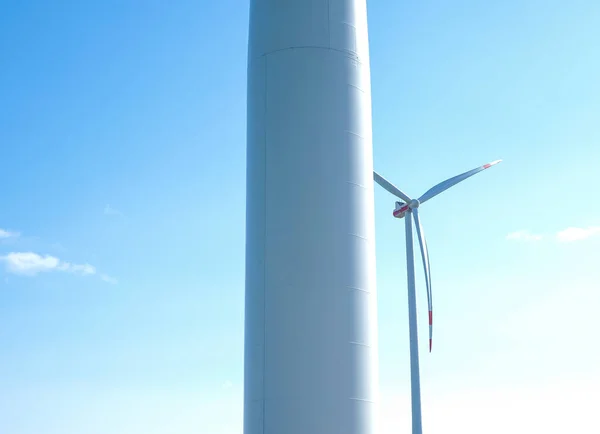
x: 390, y: 187
x: 443, y: 186
x: 425, y: 257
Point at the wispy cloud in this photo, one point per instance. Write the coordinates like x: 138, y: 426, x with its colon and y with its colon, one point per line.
x: 108, y: 210
x: 577, y: 234
x: 524, y: 236
x: 106, y: 278
x: 8, y: 234
x: 31, y: 264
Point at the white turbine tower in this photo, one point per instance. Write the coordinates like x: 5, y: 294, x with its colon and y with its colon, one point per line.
x: 310, y: 340
x: 411, y: 206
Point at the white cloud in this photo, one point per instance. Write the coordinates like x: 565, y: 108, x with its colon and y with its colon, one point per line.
x: 28, y: 263
x: 8, y: 234
x: 83, y: 269
x: 31, y: 264
x: 523, y: 236
x: 108, y: 210
x: 576, y: 234
x: 106, y: 278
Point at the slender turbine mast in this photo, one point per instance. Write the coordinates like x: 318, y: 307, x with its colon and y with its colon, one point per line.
x: 411, y: 206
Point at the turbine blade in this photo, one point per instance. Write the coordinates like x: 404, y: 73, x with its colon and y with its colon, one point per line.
x: 425, y: 258
x: 390, y: 187
x: 443, y: 186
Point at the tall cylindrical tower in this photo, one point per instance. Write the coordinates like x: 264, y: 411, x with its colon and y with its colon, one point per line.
x: 311, y: 363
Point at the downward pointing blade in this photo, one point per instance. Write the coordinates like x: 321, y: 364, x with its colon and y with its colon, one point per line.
x: 443, y: 186
x: 390, y: 187
x: 425, y: 258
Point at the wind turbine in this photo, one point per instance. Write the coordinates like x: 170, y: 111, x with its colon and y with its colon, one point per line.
x: 411, y: 206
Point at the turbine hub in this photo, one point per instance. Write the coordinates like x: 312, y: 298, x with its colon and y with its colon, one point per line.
x: 414, y: 204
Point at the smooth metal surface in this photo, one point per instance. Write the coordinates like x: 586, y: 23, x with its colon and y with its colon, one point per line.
x: 426, y: 269
x: 390, y: 187
x: 311, y: 315
x: 415, y: 382
x: 445, y: 185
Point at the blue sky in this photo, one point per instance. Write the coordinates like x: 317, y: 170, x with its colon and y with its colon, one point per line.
x: 122, y: 138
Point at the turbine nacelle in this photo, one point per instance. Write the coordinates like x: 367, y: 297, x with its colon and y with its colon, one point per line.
x: 402, y: 208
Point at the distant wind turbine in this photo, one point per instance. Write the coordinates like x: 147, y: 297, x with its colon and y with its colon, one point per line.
x: 411, y: 206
